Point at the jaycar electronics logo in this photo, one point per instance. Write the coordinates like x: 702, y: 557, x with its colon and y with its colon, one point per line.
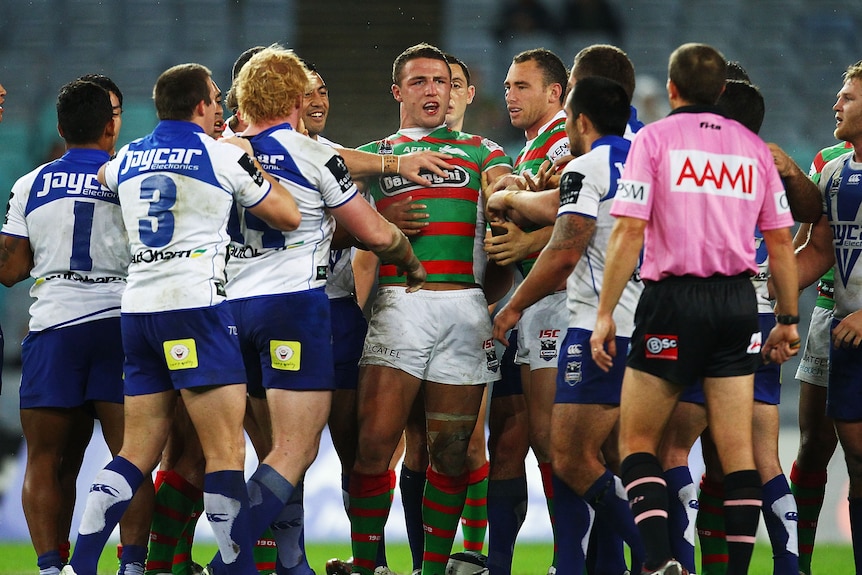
x: 661, y: 346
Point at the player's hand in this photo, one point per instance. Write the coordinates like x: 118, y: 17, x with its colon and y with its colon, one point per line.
x: 783, y: 163
x: 548, y: 176
x: 415, y: 276
x: 505, y: 320
x: 413, y: 164
x: 508, y: 244
x: 510, y: 182
x: 497, y: 206
x: 603, y: 343
x: 848, y: 332
x: 782, y: 344
x: 404, y: 215
x: 241, y: 143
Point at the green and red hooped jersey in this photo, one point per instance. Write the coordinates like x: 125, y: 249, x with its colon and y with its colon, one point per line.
x: 826, y: 285
x: 450, y: 247
x: 551, y: 144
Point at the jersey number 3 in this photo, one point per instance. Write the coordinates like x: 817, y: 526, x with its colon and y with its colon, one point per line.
x: 157, y: 229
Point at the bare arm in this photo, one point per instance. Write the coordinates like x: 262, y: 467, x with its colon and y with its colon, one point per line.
x: 571, y: 235
x: 537, y: 207
x: 510, y: 244
x: 816, y: 257
x: 624, y: 247
x: 803, y: 195
x: 365, y: 164
x: 16, y: 259
x: 381, y: 237
x: 365, y: 276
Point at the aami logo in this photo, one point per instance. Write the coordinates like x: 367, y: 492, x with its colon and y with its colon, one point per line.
x: 661, y: 346
x: 454, y: 177
x: 716, y: 174
x: 633, y: 192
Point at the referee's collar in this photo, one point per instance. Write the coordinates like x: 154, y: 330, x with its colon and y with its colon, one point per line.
x: 697, y: 109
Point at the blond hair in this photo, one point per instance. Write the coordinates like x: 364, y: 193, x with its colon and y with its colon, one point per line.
x: 270, y: 84
x: 853, y: 72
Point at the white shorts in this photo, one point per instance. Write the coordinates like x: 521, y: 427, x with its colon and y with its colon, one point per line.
x: 541, y: 332
x: 438, y: 336
x: 814, y: 365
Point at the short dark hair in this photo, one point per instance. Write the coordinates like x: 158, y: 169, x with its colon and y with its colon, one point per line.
x: 83, y: 111
x: 743, y: 102
x: 179, y: 89
x: 735, y: 71
x: 423, y: 50
x: 242, y: 59
x: 603, y: 101
x: 458, y: 62
x: 105, y: 83
x: 553, y: 69
x: 699, y: 72
x: 606, y: 61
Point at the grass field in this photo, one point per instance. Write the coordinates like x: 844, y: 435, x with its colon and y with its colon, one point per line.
x: 530, y: 558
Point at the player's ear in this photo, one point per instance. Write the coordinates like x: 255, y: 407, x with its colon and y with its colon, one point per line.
x: 396, y: 93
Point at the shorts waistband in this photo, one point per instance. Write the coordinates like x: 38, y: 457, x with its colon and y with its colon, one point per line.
x: 701, y: 280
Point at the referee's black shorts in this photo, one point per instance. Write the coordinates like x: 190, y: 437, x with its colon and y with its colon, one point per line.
x: 689, y: 327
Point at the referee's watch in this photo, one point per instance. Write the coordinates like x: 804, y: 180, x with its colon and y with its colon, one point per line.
x: 787, y: 319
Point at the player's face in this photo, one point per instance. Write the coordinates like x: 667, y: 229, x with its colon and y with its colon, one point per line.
x: 2, y: 99
x: 576, y: 140
x: 315, y: 107
x: 528, y: 100
x: 461, y: 95
x: 423, y: 93
x: 117, y: 115
x: 848, y: 112
x: 211, y: 112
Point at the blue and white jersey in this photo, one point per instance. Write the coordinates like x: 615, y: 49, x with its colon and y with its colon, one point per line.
x: 76, y: 233
x: 265, y: 261
x: 340, y: 281
x: 177, y: 187
x: 841, y: 186
x: 764, y: 305
x: 587, y: 188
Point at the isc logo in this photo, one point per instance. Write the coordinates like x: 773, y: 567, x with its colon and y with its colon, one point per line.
x: 661, y: 347
x: 546, y: 333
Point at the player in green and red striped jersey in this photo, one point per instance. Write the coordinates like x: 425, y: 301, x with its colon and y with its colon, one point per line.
x: 535, y: 88
x: 437, y: 340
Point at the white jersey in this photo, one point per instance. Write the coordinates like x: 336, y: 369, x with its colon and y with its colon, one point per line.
x: 75, y: 230
x: 587, y: 188
x: 177, y: 187
x: 340, y: 281
x: 264, y: 261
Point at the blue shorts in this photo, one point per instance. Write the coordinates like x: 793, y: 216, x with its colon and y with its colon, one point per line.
x: 580, y: 380
x: 71, y: 366
x: 767, y: 377
x: 286, y: 340
x: 181, y: 349
x: 510, y: 372
x: 348, y: 336
x: 844, y: 392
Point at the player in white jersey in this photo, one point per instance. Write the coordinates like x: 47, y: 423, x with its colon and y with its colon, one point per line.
x: 835, y: 241
x: 65, y: 230
x: 176, y: 188
x: 587, y: 400
x: 276, y: 279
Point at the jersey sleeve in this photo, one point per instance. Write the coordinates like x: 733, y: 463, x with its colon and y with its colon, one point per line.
x: 240, y: 173
x: 112, y: 169
x: 336, y: 185
x: 580, y: 191
x: 634, y: 196
x: 16, y: 222
x: 494, y: 155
